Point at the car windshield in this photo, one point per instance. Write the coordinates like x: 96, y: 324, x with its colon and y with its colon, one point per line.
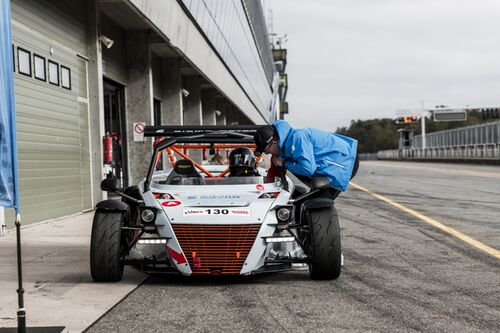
x: 212, y: 181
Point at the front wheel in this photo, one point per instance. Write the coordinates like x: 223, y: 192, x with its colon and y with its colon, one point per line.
x: 105, y: 246
x: 325, y: 247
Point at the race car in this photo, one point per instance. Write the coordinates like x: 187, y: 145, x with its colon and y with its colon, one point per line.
x: 190, y: 218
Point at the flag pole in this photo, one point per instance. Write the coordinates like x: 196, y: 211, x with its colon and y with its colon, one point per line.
x: 21, y: 312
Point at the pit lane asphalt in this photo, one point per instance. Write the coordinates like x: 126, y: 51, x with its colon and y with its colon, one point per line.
x: 400, y: 273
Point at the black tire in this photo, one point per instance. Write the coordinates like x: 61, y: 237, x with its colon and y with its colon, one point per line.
x: 325, y: 245
x: 105, y: 246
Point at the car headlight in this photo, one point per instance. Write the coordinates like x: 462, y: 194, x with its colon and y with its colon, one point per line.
x: 148, y: 215
x: 284, y: 214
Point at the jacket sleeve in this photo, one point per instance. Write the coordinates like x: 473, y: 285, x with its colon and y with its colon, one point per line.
x: 302, y: 160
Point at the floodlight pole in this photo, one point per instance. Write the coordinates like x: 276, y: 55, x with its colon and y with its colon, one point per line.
x: 21, y: 312
x: 422, y: 121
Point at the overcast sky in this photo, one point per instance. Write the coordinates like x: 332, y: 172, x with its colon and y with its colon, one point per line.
x: 363, y: 59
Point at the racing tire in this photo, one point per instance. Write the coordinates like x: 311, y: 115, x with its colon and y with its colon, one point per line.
x: 325, y: 245
x: 105, y: 246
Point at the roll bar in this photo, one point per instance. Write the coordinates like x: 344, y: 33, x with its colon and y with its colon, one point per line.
x: 209, y: 134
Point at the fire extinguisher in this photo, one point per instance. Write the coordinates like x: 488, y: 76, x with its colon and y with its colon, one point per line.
x: 108, y: 149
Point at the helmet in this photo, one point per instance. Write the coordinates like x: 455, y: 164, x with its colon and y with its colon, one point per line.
x: 242, y: 162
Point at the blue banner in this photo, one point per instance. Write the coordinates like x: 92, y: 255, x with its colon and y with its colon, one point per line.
x: 9, y: 188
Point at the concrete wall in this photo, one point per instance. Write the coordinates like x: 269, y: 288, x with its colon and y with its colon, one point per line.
x: 139, y: 101
x: 114, y: 59
x: 171, y: 21
x: 156, y: 73
x: 192, y: 108
x: 171, y: 97
x: 96, y: 102
x: 208, y: 106
x: 143, y: 74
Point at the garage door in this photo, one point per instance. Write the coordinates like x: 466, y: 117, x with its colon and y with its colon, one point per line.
x: 52, y: 128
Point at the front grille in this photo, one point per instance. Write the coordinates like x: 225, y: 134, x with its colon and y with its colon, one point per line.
x: 216, y: 249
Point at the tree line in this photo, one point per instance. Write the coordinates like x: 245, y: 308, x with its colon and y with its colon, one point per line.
x: 380, y: 134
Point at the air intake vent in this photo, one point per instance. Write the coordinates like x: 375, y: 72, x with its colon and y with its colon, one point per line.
x: 216, y: 249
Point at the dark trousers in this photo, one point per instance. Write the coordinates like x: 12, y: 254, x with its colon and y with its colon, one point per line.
x: 331, y: 193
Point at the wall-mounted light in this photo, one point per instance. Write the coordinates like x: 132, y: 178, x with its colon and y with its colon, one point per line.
x: 218, y: 113
x: 185, y: 93
x: 106, y: 41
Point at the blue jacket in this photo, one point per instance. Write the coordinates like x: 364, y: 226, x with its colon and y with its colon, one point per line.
x: 313, y: 152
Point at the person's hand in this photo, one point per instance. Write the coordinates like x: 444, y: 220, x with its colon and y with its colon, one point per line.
x: 277, y: 161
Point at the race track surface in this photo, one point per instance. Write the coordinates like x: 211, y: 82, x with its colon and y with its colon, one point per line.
x: 401, y: 274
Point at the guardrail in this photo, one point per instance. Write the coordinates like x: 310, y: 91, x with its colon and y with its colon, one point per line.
x: 471, y: 143
x: 483, y: 134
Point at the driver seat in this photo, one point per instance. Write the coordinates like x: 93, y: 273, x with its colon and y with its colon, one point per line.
x: 184, y: 169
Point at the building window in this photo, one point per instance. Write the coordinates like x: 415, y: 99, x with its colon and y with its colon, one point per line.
x: 24, y: 61
x: 65, y: 77
x: 39, y: 62
x: 53, y: 73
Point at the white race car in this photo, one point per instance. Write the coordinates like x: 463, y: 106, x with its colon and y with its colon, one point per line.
x: 194, y: 220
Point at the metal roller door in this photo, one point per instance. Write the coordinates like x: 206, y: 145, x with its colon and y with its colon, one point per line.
x: 52, y: 128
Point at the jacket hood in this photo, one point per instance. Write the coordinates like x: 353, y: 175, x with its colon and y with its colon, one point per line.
x: 283, y: 128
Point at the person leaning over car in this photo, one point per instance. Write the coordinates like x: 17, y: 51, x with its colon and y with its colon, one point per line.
x: 310, y: 152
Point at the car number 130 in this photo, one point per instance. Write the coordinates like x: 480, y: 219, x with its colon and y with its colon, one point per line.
x: 216, y: 211
x: 243, y: 212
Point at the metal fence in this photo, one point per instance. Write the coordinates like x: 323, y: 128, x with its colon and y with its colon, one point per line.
x: 471, y: 135
x: 479, y: 142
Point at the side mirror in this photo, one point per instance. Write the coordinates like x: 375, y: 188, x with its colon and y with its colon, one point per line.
x: 319, y: 183
x: 110, y: 185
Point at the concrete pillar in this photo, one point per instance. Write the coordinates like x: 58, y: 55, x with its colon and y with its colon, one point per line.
x: 171, y: 104
x: 192, y: 102
x: 243, y: 120
x: 220, y: 116
x: 139, y: 102
x: 192, y: 108
x: 208, y: 106
x: 236, y: 117
x: 96, y: 103
x: 231, y: 114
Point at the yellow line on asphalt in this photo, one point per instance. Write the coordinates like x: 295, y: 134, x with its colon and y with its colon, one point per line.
x: 483, y: 247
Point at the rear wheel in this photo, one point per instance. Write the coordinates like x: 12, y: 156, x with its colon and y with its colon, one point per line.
x: 105, y: 246
x: 324, y: 244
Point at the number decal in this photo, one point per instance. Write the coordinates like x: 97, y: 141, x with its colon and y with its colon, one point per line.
x: 216, y: 211
x: 243, y: 212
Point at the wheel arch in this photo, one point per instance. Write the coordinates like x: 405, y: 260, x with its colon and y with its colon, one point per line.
x: 112, y: 205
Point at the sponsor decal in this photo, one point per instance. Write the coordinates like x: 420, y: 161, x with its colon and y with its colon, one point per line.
x: 241, y: 212
x: 213, y: 197
x: 260, y: 187
x: 171, y: 203
x: 191, y: 212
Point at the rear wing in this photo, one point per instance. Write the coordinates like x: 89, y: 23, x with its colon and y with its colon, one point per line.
x: 209, y: 130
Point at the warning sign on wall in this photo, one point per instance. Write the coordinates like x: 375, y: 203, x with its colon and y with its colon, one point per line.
x: 139, y: 132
